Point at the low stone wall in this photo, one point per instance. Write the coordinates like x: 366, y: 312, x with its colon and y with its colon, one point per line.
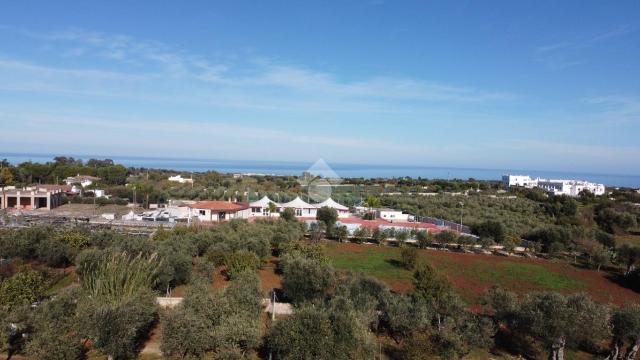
x: 168, y: 302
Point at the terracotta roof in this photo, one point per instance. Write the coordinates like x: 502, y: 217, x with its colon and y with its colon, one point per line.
x: 219, y: 205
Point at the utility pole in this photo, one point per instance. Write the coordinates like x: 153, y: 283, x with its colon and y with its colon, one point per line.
x: 461, y: 215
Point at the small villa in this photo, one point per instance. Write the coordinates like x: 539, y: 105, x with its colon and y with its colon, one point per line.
x: 216, y: 211
x: 83, y: 180
x: 261, y: 207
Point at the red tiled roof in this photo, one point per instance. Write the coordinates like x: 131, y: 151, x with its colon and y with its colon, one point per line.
x: 219, y: 206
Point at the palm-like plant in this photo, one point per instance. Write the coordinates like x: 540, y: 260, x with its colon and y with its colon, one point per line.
x: 120, y: 276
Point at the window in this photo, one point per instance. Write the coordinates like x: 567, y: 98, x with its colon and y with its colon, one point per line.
x: 202, y: 212
x: 255, y: 209
x: 298, y: 212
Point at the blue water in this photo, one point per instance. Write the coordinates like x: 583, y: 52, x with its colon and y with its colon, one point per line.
x: 342, y: 170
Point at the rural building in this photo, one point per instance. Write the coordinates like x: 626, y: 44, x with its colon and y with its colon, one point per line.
x: 300, y: 207
x: 180, y: 179
x: 342, y: 210
x: 31, y: 198
x: 84, y: 180
x: 391, y: 215
x: 555, y: 187
x: 261, y: 207
x: 215, y: 211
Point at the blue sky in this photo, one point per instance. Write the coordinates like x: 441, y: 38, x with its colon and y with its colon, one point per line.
x: 516, y: 84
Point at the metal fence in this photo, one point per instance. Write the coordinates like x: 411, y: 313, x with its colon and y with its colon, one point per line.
x: 444, y: 223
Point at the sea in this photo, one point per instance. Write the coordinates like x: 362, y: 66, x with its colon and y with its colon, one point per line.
x: 341, y: 169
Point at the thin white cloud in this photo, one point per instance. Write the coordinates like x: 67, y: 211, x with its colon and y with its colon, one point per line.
x: 616, y: 109
x: 566, y: 53
x: 153, y: 56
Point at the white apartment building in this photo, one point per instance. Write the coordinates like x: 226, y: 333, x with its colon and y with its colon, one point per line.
x: 554, y: 186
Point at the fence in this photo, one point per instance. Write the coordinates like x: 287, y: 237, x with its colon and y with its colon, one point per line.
x: 444, y: 223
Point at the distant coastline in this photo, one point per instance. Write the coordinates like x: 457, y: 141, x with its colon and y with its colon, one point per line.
x: 343, y: 170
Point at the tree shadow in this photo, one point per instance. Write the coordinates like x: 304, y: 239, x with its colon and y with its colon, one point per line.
x: 621, y: 280
x: 395, y: 263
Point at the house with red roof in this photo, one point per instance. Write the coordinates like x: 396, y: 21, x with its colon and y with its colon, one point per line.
x: 216, y: 211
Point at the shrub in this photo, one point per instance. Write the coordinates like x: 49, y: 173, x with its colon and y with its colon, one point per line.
x: 409, y: 257
x: 23, y: 288
x: 305, y: 279
x: 240, y: 262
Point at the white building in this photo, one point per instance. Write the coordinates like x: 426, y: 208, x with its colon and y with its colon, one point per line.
x: 555, y: 187
x: 180, y: 179
x: 342, y: 210
x: 216, y: 211
x: 300, y: 207
x: 261, y: 207
x: 391, y: 215
x: 83, y: 180
x: 519, y: 180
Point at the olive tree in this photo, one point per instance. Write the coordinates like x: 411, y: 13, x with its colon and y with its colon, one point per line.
x: 625, y: 322
x: 305, y: 279
x: 559, y: 321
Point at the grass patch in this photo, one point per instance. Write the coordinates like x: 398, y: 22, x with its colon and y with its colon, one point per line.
x: 370, y: 261
x: 470, y: 273
x: 62, y: 283
x: 513, y: 274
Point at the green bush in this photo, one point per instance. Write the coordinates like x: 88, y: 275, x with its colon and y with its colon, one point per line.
x: 240, y: 262
x: 409, y: 257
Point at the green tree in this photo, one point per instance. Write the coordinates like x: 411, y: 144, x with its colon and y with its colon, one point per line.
x: 630, y: 256
x: 305, y: 279
x: 184, y: 333
x: 240, y: 262
x: 272, y: 208
x: 314, y: 332
x: 117, y: 307
x: 288, y: 214
x: 424, y: 239
x: 116, y: 329
x: 409, y: 257
x: 328, y: 216
x: 341, y: 233
x: 612, y: 220
x: 23, y: 288
x: 560, y: 321
x: 491, y: 228
x: 6, y: 178
x: 372, y: 202
x: 361, y: 234
x: 625, y: 323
